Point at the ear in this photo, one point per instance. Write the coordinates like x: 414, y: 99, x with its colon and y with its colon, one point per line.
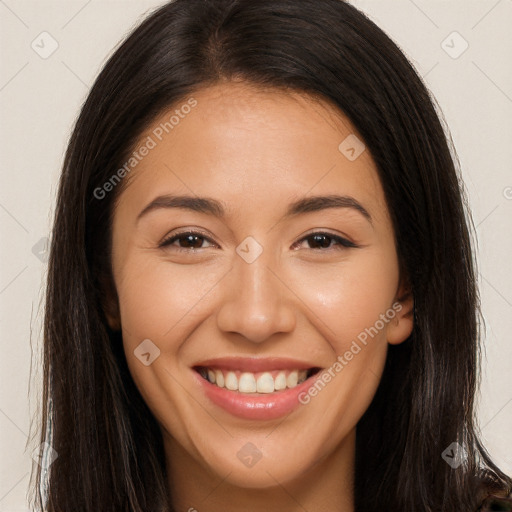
x: 112, y: 315
x: 110, y: 302
x: 400, y: 327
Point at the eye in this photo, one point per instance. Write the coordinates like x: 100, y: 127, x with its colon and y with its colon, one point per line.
x: 323, y: 240
x: 188, y: 240
x: 193, y: 240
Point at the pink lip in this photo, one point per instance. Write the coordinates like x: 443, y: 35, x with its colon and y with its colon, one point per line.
x: 254, y: 364
x: 251, y: 406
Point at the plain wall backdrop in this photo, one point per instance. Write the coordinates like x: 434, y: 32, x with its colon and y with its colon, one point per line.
x: 51, y: 52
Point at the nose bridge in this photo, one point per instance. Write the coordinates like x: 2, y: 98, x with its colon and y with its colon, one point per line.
x: 257, y: 284
x: 255, y: 303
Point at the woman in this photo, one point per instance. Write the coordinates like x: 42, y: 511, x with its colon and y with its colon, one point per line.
x: 261, y: 290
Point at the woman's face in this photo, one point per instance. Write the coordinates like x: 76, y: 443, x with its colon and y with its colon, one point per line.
x: 291, y: 268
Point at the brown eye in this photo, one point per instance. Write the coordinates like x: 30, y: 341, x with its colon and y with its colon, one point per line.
x: 324, y: 240
x: 186, y: 241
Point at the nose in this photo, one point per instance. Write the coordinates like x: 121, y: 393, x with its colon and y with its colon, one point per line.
x: 257, y: 301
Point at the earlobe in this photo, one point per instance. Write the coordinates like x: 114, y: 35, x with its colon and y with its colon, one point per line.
x: 113, y: 321
x: 109, y: 304
x: 400, y: 328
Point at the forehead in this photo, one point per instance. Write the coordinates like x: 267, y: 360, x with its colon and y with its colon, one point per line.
x: 246, y: 145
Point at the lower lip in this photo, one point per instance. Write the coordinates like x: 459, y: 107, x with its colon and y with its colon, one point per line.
x: 267, y: 406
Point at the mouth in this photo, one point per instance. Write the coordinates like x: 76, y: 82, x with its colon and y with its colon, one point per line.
x: 253, y: 388
x: 255, y: 383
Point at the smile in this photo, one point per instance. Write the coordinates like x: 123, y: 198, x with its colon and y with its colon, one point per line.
x: 255, y: 382
x: 254, y: 388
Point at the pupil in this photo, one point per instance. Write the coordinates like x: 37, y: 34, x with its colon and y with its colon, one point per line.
x: 190, y: 239
x: 322, y: 240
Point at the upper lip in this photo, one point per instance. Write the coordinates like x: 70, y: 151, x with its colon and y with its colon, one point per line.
x: 253, y: 364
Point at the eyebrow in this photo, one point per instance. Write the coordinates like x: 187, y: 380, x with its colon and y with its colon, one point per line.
x: 213, y: 207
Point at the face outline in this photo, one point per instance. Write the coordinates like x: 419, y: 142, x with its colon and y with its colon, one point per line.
x: 255, y: 152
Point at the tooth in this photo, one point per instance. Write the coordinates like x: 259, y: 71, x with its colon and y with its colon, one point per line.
x: 291, y: 381
x: 231, y: 381
x: 247, y: 383
x: 219, y: 378
x: 280, y: 382
x: 265, y: 383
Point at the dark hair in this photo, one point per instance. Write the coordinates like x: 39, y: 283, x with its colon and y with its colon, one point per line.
x: 109, y: 446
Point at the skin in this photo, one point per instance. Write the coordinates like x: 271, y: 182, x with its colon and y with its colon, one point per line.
x: 256, y: 150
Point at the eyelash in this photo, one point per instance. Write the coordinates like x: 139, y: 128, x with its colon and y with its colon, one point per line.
x: 343, y: 243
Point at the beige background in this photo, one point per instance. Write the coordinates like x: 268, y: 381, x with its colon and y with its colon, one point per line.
x: 40, y: 97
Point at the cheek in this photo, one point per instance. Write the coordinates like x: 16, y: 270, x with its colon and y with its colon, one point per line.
x: 160, y: 301
x: 352, y: 308
x: 155, y: 296
x: 350, y: 298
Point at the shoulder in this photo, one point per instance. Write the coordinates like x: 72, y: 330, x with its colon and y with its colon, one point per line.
x: 492, y: 494
x: 494, y: 503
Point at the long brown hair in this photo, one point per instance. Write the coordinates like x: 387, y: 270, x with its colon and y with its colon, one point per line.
x: 109, y: 446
